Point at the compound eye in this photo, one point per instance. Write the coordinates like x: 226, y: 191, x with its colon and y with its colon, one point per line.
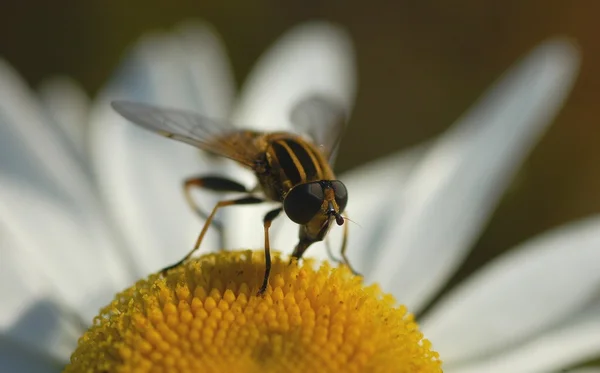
x: 341, y: 194
x: 303, y: 202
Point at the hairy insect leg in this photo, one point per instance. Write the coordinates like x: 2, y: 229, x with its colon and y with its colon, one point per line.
x: 216, y: 184
x: 343, y: 250
x: 248, y: 200
x: 269, y: 217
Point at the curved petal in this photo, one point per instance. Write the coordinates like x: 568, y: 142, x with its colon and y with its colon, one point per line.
x: 450, y: 198
x: 32, y: 143
x: 68, y: 105
x: 572, y: 343
x: 374, y: 192
x: 32, y: 313
x: 18, y: 358
x: 48, y: 203
x: 141, y: 173
x: 314, y: 57
x: 522, y: 293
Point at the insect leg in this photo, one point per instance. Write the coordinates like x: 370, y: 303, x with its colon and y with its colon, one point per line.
x: 269, y: 217
x: 343, y: 250
x: 330, y: 252
x: 248, y: 200
x: 214, y: 183
x: 300, y: 249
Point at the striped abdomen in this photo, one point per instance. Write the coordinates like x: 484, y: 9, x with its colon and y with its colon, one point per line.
x: 292, y: 161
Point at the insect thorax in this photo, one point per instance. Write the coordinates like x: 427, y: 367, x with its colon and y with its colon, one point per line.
x: 290, y: 161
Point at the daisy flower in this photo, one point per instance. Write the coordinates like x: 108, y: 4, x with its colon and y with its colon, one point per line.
x: 89, y: 209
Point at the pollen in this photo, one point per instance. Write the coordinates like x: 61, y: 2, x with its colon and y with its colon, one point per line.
x: 205, y: 316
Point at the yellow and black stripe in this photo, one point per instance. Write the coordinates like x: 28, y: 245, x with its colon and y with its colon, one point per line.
x: 298, y: 161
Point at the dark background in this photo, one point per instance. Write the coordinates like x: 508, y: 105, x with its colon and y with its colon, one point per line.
x: 421, y: 64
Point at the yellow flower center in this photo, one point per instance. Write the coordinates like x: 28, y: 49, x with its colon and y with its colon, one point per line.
x: 205, y: 317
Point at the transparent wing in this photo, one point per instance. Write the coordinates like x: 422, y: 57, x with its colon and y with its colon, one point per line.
x: 323, y: 119
x: 217, y: 137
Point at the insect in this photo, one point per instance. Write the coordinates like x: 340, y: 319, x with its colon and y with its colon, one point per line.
x: 290, y: 169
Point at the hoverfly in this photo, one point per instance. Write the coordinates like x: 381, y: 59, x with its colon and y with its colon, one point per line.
x: 290, y: 168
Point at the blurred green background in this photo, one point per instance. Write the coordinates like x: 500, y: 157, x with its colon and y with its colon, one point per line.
x: 421, y: 64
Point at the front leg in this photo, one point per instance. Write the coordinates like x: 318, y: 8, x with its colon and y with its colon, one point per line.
x: 343, y: 249
x: 269, y: 217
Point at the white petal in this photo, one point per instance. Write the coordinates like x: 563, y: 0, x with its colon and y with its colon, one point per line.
x: 452, y: 195
x: 48, y: 203
x: 28, y: 135
x: 31, y: 311
x: 141, y: 173
x: 68, y: 106
x: 373, y: 191
x: 312, y: 58
x: 522, y: 293
x: 19, y: 358
x: 67, y: 244
x: 573, y: 343
x: 210, y: 78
